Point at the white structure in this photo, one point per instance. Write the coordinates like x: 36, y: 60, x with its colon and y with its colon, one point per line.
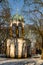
x: 15, y: 43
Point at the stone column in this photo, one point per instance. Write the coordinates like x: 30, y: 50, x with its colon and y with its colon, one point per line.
x: 22, y: 48
x: 10, y: 51
x: 8, y: 47
x: 20, y: 43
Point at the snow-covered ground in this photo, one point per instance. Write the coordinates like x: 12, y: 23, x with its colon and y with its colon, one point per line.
x: 28, y: 61
x: 35, y: 60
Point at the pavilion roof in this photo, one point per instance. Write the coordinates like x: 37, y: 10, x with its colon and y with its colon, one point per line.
x: 18, y: 17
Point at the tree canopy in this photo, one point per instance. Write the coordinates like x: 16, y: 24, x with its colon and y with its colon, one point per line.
x: 5, y: 11
x: 33, y: 10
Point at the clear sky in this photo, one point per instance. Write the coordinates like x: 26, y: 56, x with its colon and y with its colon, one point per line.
x: 16, y: 7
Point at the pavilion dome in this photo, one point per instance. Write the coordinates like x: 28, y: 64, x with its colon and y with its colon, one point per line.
x: 18, y: 17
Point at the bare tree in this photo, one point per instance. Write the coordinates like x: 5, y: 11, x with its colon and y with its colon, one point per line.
x: 34, y: 13
x: 5, y: 10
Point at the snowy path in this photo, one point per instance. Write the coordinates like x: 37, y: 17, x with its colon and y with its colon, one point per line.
x: 29, y: 61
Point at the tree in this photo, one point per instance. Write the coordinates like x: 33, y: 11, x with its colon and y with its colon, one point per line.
x: 4, y: 18
x: 5, y: 11
x: 35, y: 14
x: 32, y: 34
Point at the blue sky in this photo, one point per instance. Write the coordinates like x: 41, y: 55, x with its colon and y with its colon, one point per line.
x: 16, y: 7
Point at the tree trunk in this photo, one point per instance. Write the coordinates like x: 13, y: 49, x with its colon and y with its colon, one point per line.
x: 42, y: 49
x: 42, y: 42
